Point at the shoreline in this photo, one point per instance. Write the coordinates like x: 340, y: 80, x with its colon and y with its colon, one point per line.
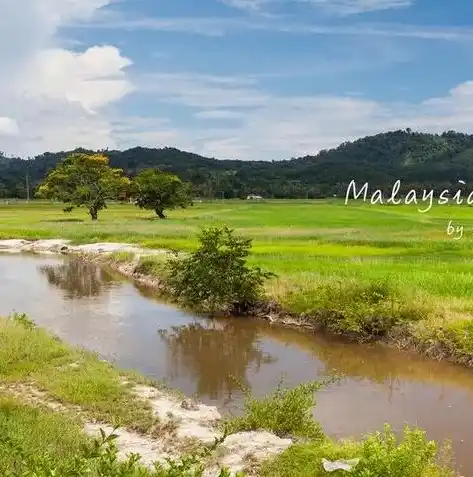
x: 155, y: 422
x: 60, y: 399
x: 401, y: 337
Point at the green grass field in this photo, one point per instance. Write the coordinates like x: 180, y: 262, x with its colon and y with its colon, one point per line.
x: 313, y: 246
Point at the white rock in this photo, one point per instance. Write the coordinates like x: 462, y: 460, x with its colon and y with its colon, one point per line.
x: 131, y: 443
x: 198, y: 422
x: 238, y: 448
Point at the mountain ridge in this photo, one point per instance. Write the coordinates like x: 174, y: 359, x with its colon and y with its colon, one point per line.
x: 436, y: 161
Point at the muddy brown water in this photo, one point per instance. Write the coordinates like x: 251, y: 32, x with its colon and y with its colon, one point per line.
x: 99, y: 310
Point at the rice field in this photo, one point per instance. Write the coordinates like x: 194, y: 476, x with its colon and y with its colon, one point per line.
x: 301, y: 241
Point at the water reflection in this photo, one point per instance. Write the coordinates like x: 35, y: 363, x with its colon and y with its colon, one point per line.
x: 78, y: 279
x: 217, y: 354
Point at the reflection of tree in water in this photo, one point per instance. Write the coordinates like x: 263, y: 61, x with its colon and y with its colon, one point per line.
x: 217, y: 355
x: 78, y: 279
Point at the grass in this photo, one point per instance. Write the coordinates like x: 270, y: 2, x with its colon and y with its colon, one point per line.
x: 286, y: 413
x: 32, y: 428
x: 36, y: 441
x: 73, y: 376
x: 379, y: 454
x: 48, y: 390
x: 328, y: 257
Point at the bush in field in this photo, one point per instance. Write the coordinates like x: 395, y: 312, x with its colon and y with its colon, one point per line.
x: 215, y: 278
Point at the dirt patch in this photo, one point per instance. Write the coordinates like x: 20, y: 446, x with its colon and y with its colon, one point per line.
x: 183, y: 425
x: 64, y: 246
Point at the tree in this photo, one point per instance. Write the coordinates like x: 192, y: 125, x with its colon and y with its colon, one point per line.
x: 157, y: 190
x: 85, y: 180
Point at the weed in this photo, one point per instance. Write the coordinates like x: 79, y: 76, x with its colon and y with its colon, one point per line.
x: 361, y: 309
x: 285, y: 412
x: 379, y: 454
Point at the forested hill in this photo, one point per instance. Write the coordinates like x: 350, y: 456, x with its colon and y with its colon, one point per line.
x: 419, y: 160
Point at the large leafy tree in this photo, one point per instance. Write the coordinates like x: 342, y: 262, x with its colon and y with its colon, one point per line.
x: 157, y: 190
x: 85, y: 180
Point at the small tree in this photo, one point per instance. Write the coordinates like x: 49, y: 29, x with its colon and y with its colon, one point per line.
x: 84, y: 180
x: 157, y: 190
x: 215, y: 278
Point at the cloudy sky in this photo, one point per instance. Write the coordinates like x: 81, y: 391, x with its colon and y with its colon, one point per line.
x: 245, y: 79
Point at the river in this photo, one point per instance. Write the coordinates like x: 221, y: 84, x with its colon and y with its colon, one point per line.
x: 211, y: 359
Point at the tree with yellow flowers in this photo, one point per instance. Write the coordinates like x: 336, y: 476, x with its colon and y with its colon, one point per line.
x: 85, y: 180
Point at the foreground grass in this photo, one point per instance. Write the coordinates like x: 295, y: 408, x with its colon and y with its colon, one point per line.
x: 357, y: 269
x: 33, y: 429
x: 287, y: 413
x: 36, y: 441
x: 30, y: 356
x: 379, y: 454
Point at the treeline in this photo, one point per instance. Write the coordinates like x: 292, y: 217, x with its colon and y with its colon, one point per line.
x: 433, y: 161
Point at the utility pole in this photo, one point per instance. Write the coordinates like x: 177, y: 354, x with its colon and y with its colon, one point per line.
x: 27, y: 186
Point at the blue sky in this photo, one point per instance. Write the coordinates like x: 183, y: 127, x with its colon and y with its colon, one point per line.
x: 246, y: 79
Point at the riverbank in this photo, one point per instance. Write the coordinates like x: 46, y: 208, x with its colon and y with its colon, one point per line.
x: 362, y: 313
x: 59, y: 386
x: 54, y: 399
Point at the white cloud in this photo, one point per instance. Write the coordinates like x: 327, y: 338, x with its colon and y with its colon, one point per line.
x: 338, y: 7
x: 202, y: 91
x: 220, y: 26
x: 93, y: 78
x: 238, y: 119
x: 351, y: 7
x: 53, y: 95
x: 8, y: 127
x: 248, y: 5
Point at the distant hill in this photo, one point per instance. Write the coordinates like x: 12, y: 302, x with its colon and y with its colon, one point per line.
x: 420, y: 160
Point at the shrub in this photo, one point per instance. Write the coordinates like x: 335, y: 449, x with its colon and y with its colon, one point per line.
x: 379, y: 454
x: 23, y: 320
x: 122, y: 257
x: 365, y: 310
x: 152, y: 266
x: 215, y: 278
x: 285, y: 412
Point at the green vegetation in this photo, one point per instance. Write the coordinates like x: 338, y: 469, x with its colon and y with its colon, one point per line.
x: 364, y: 310
x: 48, y: 390
x: 158, y: 191
x: 84, y: 180
x: 380, y: 454
x: 30, y: 356
x: 36, y: 442
x: 215, y: 278
x: 286, y: 413
x: 420, y: 160
x: 358, y: 269
x: 41, y: 435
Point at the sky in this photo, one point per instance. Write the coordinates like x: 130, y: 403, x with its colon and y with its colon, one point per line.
x: 231, y: 79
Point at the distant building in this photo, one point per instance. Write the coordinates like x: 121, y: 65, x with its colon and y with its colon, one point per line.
x: 253, y: 197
